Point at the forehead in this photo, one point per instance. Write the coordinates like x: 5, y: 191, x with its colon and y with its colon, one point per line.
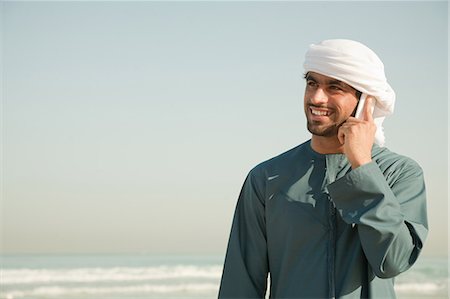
x: 319, y: 78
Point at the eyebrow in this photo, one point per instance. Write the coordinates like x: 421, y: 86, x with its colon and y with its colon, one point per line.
x: 309, y: 77
x: 337, y: 82
x: 331, y: 81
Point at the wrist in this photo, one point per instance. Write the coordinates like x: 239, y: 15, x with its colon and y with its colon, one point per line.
x: 357, y: 164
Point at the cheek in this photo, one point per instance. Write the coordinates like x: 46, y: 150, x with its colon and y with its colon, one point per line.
x: 349, y: 105
x: 305, y: 100
x: 352, y: 107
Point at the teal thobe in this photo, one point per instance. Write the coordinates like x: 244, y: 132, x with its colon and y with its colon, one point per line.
x: 319, y: 229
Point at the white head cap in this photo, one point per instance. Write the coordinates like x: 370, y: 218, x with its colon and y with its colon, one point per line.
x: 357, y: 65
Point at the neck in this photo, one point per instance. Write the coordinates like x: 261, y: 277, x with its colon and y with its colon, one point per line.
x: 326, y: 145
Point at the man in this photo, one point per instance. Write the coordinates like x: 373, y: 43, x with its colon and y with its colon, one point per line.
x: 338, y: 216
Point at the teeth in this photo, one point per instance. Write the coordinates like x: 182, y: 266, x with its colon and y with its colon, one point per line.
x: 320, y: 113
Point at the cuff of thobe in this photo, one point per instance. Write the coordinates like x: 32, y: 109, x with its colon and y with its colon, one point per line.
x: 360, y: 191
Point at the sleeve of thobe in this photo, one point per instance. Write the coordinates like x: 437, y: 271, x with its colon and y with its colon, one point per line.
x: 391, y: 218
x: 246, y: 266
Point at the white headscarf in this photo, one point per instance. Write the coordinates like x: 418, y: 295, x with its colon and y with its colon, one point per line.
x: 357, y: 65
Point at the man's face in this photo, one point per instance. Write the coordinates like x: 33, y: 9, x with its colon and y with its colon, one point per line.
x: 328, y: 103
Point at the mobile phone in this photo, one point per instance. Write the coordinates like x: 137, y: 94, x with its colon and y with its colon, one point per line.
x: 361, y: 103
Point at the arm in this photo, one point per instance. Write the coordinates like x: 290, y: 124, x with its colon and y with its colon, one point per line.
x: 246, y: 266
x: 391, y: 218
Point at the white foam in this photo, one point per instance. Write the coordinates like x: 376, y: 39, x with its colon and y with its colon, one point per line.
x: 124, y: 274
x: 424, y: 288
x: 58, y: 291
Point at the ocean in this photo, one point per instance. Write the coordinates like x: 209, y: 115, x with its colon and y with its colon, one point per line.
x: 146, y: 276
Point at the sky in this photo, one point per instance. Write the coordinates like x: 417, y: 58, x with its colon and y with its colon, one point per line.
x: 129, y: 127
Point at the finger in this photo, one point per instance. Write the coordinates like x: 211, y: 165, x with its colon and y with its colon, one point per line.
x: 352, y: 120
x: 367, y: 110
x: 341, y: 135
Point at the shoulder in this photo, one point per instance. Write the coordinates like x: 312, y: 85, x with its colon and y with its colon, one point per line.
x: 282, y: 162
x: 276, y: 169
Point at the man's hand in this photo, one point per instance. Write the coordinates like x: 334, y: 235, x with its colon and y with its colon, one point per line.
x: 357, y: 136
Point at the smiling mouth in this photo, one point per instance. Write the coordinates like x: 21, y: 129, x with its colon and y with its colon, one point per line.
x: 319, y: 112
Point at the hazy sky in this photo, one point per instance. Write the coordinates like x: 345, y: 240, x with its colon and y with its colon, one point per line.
x: 130, y: 127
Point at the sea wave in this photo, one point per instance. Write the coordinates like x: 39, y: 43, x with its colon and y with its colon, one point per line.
x: 190, y: 288
x: 422, y: 288
x: 59, y: 291
x: 123, y: 274
x: 176, y: 280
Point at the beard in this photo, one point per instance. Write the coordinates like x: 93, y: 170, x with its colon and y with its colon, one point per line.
x: 325, y: 131
x: 329, y: 130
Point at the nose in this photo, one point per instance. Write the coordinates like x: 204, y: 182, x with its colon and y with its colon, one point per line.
x: 318, y: 96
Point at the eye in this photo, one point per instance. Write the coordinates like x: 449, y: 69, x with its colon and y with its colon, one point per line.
x: 311, y: 83
x: 335, y: 88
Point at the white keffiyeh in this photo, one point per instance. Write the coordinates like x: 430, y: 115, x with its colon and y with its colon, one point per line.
x: 357, y: 65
